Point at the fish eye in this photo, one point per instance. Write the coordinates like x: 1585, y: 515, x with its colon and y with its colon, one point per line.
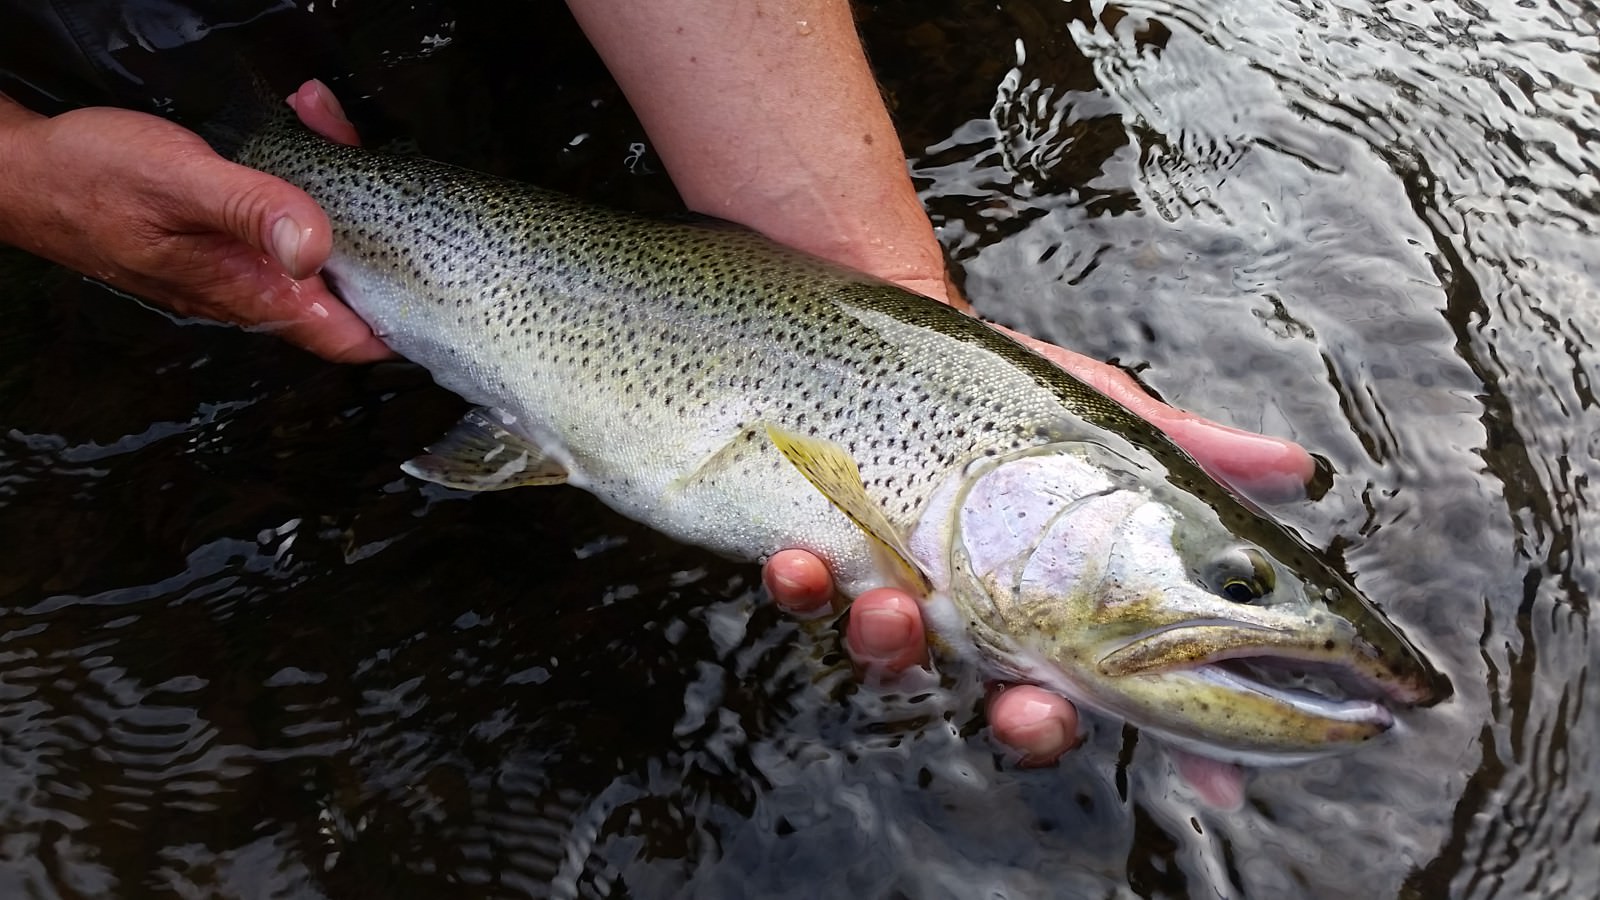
x: 1240, y: 590
x: 1241, y: 574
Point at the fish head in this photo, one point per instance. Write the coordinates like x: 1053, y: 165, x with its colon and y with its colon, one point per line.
x: 1076, y: 569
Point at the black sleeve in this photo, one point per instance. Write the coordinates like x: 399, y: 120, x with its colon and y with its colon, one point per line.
x: 58, y: 54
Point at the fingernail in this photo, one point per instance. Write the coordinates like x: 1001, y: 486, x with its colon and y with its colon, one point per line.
x: 884, y: 633
x: 1037, y: 711
x: 787, y: 592
x: 796, y: 587
x: 288, y: 240
x: 780, y: 582
x: 1043, y: 739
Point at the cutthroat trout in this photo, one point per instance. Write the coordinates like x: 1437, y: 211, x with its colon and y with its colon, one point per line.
x: 747, y: 398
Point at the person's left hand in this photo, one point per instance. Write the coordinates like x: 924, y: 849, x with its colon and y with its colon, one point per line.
x: 146, y: 206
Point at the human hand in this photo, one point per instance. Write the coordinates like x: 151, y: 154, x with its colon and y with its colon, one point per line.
x: 885, y: 632
x: 149, y: 208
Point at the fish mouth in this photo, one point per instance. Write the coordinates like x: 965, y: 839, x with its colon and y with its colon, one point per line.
x: 1328, y: 674
x: 1319, y: 689
x: 1250, y: 693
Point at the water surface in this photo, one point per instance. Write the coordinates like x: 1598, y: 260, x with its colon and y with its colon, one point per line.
x: 242, y: 655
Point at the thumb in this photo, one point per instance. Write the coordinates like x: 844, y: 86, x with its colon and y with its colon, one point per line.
x: 269, y: 214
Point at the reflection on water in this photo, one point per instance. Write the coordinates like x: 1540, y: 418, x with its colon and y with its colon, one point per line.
x: 241, y: 654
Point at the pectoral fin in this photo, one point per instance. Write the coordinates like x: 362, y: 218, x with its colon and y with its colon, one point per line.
x: 479, y: 454
x: 718, y: 464
x: 831, y: 470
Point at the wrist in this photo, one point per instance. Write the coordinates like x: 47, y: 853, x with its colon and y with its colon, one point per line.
x: 871, y: 226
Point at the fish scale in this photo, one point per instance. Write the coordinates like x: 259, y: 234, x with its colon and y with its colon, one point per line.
x: 748, y: 398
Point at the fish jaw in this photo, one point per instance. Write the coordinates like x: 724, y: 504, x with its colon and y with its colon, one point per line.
x: 1248, y: 726
x: 1314, y: 643
x: 1237, y: 690
x: 1070, y: 576
x: 1259, y: 686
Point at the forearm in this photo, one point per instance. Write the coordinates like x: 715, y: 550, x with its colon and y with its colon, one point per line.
x: 15, y: 120
x: 766, y: 113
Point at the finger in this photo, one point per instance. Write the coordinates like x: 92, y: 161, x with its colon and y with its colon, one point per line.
x: 1040, y: 725
x: 885, y: 631
x: 1266, y: 467
x: 213, y: 195
x: 321, y: 112
x: 238, y: 284
x: 311, y: 318
x: 1220, y: 785
x: 798, y: 581
x: 1257, y: 463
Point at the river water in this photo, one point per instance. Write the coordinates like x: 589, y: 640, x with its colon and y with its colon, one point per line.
x: 242, y: 655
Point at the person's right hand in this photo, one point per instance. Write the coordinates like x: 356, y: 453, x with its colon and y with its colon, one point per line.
x: 147, y: 207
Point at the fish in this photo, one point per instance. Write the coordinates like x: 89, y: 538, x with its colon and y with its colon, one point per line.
x: 747, y: 398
